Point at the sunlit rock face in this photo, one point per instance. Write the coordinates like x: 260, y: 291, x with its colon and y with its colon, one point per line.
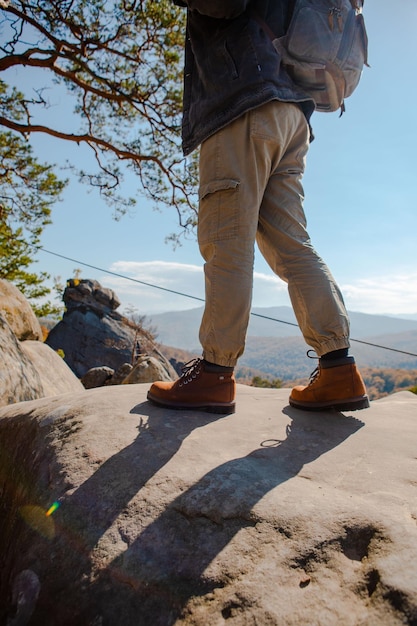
x: 115, y: 511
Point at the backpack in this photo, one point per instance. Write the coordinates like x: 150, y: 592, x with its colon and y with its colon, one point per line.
x: 324, y: 49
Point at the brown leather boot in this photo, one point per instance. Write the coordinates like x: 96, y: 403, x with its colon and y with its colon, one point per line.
x: 197, y: 389
x: 333, y: 385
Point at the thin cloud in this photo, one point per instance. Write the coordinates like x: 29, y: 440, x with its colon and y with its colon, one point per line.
x: 269, y: 290
x: 184, y: 278
x: 392, y: 294
x: 395, y: 294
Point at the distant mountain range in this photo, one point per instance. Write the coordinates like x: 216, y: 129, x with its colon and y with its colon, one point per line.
x: 180, y: 328
x: 275, y: 345
x: 406, y: 316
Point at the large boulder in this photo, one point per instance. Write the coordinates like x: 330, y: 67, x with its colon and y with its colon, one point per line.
x: 55, y: 375
x: 19, y: 379
x: 97, y: 377
x: 89, y: 339
x: 18, y: 313
x: 116, y: 512
x: 30, y: 369
x: 92, y: 334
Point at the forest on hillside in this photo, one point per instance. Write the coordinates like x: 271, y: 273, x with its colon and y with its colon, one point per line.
x: 382, y: 382
x: 379, y: 381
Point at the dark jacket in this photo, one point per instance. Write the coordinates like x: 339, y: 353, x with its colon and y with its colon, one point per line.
x: 231, y: 65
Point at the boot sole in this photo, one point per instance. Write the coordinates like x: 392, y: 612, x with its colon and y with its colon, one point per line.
x: 352, y: 404
x: 219, y: 408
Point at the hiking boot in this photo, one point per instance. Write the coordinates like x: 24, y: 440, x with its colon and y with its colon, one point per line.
x: 333, y: 385
x: 196, y: 389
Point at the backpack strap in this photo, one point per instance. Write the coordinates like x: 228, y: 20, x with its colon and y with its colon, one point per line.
x: 267, y: 29
x: 290, y: 13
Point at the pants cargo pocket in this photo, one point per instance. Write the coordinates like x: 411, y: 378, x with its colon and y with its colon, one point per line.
x: 218, y: 215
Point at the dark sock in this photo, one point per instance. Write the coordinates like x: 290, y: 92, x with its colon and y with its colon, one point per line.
x: 335, y: 354
x: 213, y: 367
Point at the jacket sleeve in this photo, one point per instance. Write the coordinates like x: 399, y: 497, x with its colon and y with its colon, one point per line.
x: 221, y: 9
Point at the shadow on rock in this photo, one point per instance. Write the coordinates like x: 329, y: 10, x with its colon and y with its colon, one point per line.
x: 85, y: 515
x: 165, y: 566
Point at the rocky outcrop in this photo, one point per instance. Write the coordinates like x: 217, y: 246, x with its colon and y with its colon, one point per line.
x: 83, y: 293
x: 29, y: 368
x: 115, y: 512
x: 148, y: 368
x: 145, y: 370
x: 92, y: 334
x: 97, y: 377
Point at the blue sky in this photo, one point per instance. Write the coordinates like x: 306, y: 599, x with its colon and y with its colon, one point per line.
x: 360, y: 201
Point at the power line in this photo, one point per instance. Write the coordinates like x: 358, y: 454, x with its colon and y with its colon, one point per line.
x: 135, y: 280
x: 367, y: 343
x: 187, y: 295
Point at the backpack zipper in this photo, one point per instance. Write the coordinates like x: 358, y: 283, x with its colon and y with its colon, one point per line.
x: 335, y: 13
x: 348, y: 35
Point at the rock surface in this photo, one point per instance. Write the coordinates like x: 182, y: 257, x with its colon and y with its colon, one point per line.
x: 148, y: 369
x: 270, y: 516
x: 97, y: 377
x: 29, y: 369
x: 56, y: 377
x: 19, y: 379
x: 18, y: 313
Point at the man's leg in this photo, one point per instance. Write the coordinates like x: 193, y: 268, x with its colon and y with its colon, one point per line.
x: 316, y: 298
x: 232, y: 181
x: 234, y: 171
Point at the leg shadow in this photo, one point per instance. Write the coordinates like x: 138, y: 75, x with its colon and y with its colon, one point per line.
x: 88, y: 512
x: 165, y: 566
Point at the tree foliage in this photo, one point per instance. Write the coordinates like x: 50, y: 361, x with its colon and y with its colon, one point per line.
x: 27, y: 191
x: 381, y: 382
x: 121, y: 63
x: 258, y: 381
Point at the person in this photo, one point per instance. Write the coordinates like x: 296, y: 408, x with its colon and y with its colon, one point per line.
x: 252, y: 124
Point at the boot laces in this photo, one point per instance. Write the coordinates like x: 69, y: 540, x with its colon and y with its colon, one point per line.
x: 315, y: 373
x: 190, y: 371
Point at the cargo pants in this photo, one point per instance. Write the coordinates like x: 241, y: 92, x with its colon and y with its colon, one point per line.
x: 250, y: 191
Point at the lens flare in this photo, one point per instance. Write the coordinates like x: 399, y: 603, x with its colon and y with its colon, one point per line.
x: 39, y: 519
x: 52, y: 508
x: 35, y: 517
